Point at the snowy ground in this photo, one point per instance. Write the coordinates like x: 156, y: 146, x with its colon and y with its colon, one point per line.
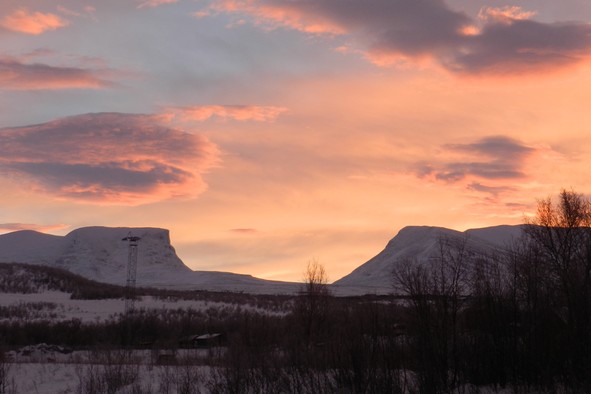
x: 59, y: 306
x: 45, y: 369
x: 53, y: 305
x: 54, y: 372
x: 42, y: 378
x: 54, y: 378
x: 71, y: 378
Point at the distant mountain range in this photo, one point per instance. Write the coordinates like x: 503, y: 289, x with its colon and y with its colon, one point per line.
x: 98, y: 253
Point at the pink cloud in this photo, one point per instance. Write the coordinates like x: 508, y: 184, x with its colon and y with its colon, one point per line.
x: 16, y: 75
x: 108, y: 158
x: 504, y: 14
x: 276, y: 14
x: 233, y: 112
x: 391, y: 32
x: 35, y: 23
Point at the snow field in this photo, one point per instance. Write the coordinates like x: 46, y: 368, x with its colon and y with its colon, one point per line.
x: 57, y: 306
x: 65, y: 378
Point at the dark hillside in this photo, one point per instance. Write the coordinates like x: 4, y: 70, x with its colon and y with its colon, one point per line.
x: 27, y: 278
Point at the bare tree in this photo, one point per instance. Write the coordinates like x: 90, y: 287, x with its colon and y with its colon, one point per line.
x: 436, y: 291
x: 315, y: 279
x: 561, y: 232
x: 312, y: 305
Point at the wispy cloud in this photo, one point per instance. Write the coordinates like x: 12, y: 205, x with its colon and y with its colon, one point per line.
x: 17, y: 75
x: 83, y: 12
x: 497, y: 41
x: 244, y: 231
x: 35, y: 23
x: 108, y: 158
x: 154, y: 3
x: 225, y: 112
x: 506, y: 14
x: 9, y: 227
x: 493, y: 190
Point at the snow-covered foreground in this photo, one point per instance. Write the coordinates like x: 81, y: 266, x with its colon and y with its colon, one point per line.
x: 74, y: 377
x: 42, y: 378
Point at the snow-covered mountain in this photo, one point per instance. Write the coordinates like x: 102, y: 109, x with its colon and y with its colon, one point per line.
x: 98, y: 253
x: 420, y: 244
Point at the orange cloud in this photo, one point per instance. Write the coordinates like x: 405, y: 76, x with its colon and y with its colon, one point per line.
x: 234, y: 112
x: 35, y: 23
x: 16, y: 75
x: 108, y: 158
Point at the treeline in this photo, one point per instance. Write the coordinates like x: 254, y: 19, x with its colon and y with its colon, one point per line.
x: 520, y: 318
x: 30, y: 278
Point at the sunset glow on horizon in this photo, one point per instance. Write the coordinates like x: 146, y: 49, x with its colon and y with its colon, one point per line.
x: 265, y: 134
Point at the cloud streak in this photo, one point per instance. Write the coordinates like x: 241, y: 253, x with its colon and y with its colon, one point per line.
x: 497, y: 41
x: 506, y: 14
x: 10, y: 227
x: 155, y: 3
x: 225, y: 112
x: 244, y: 231
x: 491, y: 158
x: 17, y: 75
x: 34, y: 23
x: 108, y: 158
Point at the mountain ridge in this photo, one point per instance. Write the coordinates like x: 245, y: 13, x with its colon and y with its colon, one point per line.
x: 421, y: 244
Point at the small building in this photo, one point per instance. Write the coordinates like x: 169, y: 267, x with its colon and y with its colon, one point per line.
x: 202, y: 341
x: 165, y: 357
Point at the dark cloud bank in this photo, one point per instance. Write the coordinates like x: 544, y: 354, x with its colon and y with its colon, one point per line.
x: 504, y: 41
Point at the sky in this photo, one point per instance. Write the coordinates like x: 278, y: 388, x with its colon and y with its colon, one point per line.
x: 266, y: 134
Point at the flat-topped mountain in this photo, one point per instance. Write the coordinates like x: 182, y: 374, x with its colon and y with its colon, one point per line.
x: 100, y: 254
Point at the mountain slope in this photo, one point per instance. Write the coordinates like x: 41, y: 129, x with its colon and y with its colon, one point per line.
x: 420, y: 244
x: 27, y: 246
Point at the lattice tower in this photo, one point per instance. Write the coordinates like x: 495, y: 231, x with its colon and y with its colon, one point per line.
x: 131, y: 271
